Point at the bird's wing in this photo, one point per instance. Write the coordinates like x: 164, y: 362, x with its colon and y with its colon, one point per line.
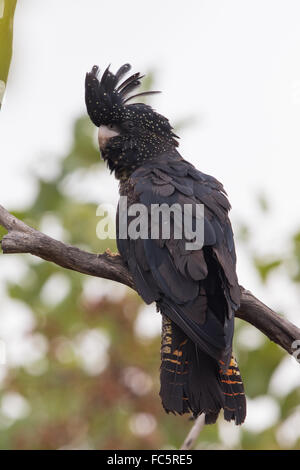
x: 197, y: 289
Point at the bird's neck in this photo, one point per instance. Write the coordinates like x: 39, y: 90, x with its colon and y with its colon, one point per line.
x: 123, y: 162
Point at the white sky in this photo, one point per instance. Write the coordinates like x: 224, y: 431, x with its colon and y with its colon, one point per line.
x: 234, y: 66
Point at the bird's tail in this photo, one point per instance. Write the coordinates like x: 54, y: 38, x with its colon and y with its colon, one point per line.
x: 192, y: 381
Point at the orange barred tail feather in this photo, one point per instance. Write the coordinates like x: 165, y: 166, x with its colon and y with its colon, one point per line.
x: 233, y: 391
x: 189, y: 378
x: 192, y: 381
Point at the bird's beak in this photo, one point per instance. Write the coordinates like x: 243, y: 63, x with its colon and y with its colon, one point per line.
x: 104, y: 134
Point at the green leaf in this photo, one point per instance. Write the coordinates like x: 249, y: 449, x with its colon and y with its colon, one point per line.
x: 7, y: 9
x: 263, y: 202
x: 265, y: 268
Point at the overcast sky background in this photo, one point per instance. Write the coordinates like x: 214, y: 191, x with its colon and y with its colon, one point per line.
x: 233, y: 66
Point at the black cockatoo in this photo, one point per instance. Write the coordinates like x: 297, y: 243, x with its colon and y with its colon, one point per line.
x: 197, y: 290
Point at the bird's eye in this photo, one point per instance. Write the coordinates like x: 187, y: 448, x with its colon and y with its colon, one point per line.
x: 129, y: 125
x: 111, y: 126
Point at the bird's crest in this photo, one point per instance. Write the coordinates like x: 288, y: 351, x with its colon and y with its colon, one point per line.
x: 106, y: 99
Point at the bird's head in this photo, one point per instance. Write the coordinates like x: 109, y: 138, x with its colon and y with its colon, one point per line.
x: 129, y: 134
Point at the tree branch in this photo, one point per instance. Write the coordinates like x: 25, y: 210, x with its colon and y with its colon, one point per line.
x: 23, y: 239
x: 192, y: 436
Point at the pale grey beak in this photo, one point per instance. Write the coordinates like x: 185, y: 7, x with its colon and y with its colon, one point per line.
x: 104, y: 134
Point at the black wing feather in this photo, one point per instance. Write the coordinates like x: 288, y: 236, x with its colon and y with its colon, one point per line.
x: 186, y: 288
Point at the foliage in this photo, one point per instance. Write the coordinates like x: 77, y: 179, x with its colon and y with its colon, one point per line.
x: 7, y: 9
